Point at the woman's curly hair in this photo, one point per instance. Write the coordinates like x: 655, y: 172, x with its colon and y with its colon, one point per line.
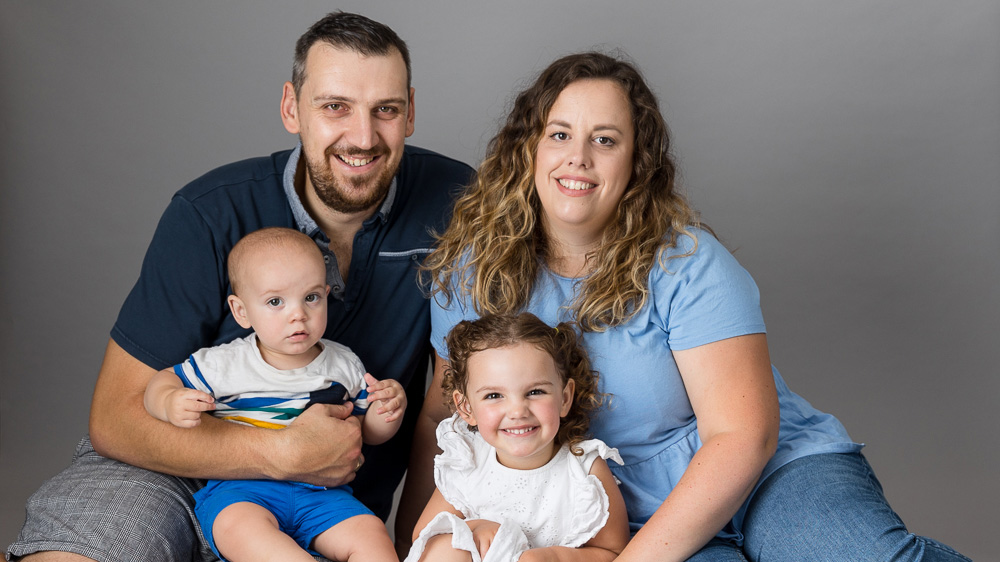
x: 561, y: 343
x: 495, y: 243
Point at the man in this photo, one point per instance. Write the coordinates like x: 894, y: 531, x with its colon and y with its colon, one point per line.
x: 369, y: 203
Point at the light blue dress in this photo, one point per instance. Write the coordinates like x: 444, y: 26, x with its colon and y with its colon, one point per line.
x: 703, y: 298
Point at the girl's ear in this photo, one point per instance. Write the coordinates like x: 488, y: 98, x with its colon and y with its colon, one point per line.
x: 463, y: 408
x: 239, y: 310
x: 567, y: 398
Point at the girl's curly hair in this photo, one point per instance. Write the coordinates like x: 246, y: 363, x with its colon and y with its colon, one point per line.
x: 561, y: 343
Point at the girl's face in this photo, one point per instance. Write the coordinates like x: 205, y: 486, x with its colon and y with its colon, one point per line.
x: 584, y: 159
x: 515, y: 397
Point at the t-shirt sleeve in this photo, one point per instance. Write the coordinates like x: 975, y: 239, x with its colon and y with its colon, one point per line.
x: 444, y: 317
x: 706, y: 296
x: 178, y: 302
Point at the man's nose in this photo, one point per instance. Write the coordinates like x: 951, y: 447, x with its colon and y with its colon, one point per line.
x: 362, y: 132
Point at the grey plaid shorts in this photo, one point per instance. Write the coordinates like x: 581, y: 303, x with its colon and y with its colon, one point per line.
x: 111, y: 511
x: 114, y: 512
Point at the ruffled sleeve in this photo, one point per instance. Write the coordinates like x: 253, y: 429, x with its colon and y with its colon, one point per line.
x: 462, y: 450
x: 591, y: 507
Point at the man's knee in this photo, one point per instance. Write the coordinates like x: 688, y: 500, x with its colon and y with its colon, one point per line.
x: 100, y: 509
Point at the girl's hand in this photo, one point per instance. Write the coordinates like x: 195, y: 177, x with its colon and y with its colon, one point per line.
x: 389, y: 395
x: 483, y: 532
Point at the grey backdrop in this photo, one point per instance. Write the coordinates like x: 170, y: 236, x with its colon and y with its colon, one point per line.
x: 847, y: 151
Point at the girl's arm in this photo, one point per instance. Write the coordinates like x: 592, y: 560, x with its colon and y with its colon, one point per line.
x: 731, y: 388
x: 437, y: 504
x: 609, y: 541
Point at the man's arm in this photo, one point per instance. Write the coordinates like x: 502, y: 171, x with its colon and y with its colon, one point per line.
x: 321, y: 447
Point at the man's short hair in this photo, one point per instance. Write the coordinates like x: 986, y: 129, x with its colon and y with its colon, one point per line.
x: 349, y: 31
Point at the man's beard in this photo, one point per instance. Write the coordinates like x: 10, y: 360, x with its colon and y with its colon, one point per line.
x: 364, y: 192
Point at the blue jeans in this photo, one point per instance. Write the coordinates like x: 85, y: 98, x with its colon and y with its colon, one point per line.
x: 826, y: 507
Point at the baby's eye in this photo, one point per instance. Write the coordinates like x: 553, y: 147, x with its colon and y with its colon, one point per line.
x: 312, y: 297
x: 276, y: 301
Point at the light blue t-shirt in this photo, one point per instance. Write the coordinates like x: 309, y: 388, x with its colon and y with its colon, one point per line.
x: 702, y: 298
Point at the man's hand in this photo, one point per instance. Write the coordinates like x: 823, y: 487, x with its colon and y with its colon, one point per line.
x: 322, y: 446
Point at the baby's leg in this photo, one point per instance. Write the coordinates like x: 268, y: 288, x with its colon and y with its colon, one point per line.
x: 247, y: 532
x: 439, y: 549
x: 361, y: 538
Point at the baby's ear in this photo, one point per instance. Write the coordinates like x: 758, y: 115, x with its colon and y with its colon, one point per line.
x: 239, y: 310
x: 462, y: 406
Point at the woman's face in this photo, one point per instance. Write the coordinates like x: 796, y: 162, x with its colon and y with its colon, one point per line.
x: 584, y: 158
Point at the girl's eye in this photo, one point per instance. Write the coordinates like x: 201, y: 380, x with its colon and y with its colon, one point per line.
x: 492, y: 396
x: 274, y: 302
x: 536, y: 392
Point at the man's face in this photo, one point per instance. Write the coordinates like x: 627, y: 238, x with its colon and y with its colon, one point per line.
x: 353, y: 114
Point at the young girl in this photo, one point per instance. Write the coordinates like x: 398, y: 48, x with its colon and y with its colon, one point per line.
x: 516, y: 480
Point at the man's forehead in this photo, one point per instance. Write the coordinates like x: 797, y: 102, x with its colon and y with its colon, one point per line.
x: 325, y: 59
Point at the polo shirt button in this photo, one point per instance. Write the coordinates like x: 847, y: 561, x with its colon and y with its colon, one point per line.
x: 326, y: 259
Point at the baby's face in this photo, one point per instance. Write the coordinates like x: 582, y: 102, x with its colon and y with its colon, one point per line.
x: 285, y: 299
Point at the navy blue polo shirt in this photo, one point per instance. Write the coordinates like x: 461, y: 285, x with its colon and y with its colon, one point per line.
x: 178, y: 305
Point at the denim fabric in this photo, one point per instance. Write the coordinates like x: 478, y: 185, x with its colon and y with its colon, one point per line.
x: 827, y: 507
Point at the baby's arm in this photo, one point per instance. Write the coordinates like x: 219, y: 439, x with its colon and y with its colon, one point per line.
x: 608, y: 542
x: 386, y: 403
x: 168, y: 400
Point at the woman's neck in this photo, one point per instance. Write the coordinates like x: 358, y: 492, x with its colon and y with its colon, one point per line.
x: 569, y: 254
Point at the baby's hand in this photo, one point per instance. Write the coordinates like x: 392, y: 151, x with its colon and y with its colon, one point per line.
x: 388, y: 394
x: 185, y: 405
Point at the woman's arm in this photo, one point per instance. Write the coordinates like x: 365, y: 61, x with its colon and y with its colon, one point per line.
x: 731, y: 389
x: 419, y: 482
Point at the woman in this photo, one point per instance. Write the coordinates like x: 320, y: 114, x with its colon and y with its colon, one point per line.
x: 574, y: 215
